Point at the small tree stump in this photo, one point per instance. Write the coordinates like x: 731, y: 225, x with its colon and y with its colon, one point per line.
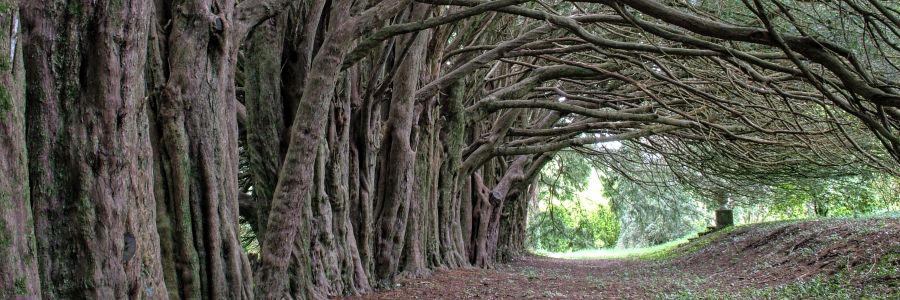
x: 724, y: 218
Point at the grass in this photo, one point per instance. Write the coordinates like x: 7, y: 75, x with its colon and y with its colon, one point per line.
x: 862, y: 282
x: 672, y: 249
x: 878, y: 280
x: 663, y: 251
x: 611, y: 253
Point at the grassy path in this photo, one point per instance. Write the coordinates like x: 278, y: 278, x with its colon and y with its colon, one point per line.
x: 820, y: 259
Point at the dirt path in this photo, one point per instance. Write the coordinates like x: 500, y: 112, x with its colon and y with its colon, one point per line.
x: 850, y: 258
x: 540, y: 277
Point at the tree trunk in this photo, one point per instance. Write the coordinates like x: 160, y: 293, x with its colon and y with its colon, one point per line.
x: 265, y: 123
x: 323, y: 252
x: 192, y: 61
x: 18, y: 264
x: 481, y: 218
x: 295, y: 182
x: 363, y: 133
x: 396, y: 180
x: 352, y: 274
x: 513, y: 221
x: 452, y: 137
x: 421, y: 224
x: 89, y: 151
x: 515, y: 173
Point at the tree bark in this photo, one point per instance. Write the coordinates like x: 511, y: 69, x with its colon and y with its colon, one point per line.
x: 89, y: 152
x: 452, y: 137
x: 265, y: 117
x: 513, y: 221
x: 363, y: 133
x: 295, y: 183
x: 352, y: 273
x: 421, y: 228
x: 396, y: 179
x: 18, y: 263
x: 481, y: 218
x: 192, y: 67
x: 498, y: 196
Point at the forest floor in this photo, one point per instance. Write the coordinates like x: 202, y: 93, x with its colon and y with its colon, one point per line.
x: 829, y: 258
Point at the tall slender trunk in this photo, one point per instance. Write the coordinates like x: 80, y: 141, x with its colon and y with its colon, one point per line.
x: 481, y: 215
x: 352, y: 274
x: 498, y: 196
x: 295, y: 182
x: 419, y: 231
x: 364, y: 117
x: 452, y: 137
x: 511, y: 233
x: 396, y: 179
x: 265, y: 114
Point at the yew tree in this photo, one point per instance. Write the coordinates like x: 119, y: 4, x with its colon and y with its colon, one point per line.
x: 306, y: 149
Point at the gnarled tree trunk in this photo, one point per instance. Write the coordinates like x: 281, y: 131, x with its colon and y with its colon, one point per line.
x: 452, y: 136
x: 193, y: 56
x: 89, y: 151
x: 395, y: 188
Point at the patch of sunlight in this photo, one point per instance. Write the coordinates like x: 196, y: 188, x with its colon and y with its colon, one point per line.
x: 589, y: 199
x: 593, y: 193
x: 612, y: 253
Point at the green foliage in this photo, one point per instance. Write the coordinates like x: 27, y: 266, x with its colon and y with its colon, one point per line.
x: 650, y: 215
x: 654, y: 204
x: 658, y: 199
x: 561, y: 229
x: 564, y: 177
x: 564, y: 221
x: 845, y: 196
x: 5, y: 65
x: 839, y: 196
x: 248, y: 238
x: 6, y: 8
x: 657, y: 252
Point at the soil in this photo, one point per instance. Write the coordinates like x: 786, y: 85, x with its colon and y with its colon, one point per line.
x: 747, y: 257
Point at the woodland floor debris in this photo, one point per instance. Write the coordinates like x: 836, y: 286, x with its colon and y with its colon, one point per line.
x: 827, y: 258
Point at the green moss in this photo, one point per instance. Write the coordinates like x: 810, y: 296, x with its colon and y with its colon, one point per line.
x: 4, y: 64
x: 5, y: 236
x: 20, y: 286
x: 6, y: 199
x: 74, y: 8
x: 5, y: 101
x: 6, y: 7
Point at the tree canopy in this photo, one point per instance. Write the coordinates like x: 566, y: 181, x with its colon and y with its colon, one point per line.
x: 359, y: 141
